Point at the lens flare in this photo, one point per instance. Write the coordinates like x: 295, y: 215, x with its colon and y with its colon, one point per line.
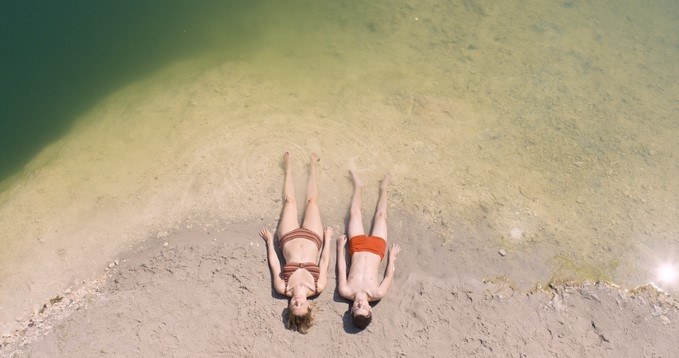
x: 667, y: 274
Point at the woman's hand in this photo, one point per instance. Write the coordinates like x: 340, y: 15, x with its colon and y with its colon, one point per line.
x: 266, y: 235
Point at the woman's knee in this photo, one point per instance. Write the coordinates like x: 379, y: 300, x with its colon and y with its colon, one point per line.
x: 311, y: 201
x: 290, y: 199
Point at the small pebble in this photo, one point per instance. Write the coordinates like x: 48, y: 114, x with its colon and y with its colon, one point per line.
x: 502, y: 252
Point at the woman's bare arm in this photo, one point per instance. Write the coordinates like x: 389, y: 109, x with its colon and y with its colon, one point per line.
x: 274, y: 262
x: 325, y: 258
x: 389, y: 272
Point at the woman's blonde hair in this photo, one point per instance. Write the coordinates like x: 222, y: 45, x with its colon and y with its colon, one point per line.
x: 302, y: 323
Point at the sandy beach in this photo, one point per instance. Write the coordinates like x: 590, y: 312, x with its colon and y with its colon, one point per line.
x: 206, y: 292
x: 532, y: 149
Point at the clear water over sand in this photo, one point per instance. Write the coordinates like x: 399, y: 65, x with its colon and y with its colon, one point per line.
x: 548, y: 130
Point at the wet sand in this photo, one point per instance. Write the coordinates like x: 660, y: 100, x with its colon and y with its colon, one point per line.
x: 547, y: 132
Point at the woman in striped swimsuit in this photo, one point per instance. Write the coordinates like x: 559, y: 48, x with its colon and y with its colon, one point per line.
x: 303, y: 274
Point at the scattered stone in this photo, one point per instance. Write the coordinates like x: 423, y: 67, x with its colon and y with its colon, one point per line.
x: 502, y: 252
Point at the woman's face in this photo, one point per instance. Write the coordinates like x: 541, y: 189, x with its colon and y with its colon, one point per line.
x: 299, y: 306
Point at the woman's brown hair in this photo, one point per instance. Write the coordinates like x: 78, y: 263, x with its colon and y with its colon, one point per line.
x: 302, y: 323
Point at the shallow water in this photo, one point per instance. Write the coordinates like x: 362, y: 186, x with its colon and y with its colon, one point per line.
x: 545, y: 129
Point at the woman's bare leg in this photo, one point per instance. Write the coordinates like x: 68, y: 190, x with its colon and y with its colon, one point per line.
x: 380, y: 222
x: 355, y: 217
x: 288, y: 221
x: 312, y: 213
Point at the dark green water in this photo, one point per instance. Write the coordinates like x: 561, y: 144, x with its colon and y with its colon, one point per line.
x: 58, y: 58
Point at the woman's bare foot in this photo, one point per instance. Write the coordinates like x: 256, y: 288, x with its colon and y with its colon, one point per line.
x: 286, y: 160
x: 352, y: 163
x: 357, y: 181
x: 313, y: 164
x: 385, y: 182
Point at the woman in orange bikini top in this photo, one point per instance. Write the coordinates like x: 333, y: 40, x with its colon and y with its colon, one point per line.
x: 303, y: 274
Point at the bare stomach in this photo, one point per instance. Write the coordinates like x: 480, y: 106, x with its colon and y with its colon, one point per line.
x: 363, y: 273
x: 300, y: 250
